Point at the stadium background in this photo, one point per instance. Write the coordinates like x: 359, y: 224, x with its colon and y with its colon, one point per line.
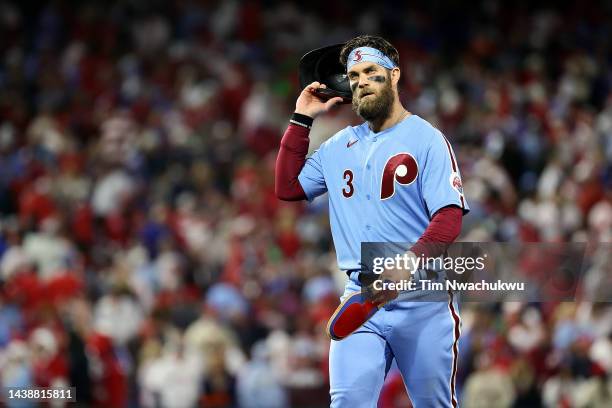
x: 145, y: 260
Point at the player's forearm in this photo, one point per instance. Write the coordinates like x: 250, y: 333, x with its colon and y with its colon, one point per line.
x: 291, y: 158
x: 443, y: 230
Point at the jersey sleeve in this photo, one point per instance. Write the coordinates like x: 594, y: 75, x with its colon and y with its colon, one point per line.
x: 441, y: 184
x: 311, y: 177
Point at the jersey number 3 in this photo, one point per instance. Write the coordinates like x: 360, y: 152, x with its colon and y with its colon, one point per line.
x: 348, y: 189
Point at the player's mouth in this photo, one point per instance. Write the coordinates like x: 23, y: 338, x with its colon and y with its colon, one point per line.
x: 363, y: 95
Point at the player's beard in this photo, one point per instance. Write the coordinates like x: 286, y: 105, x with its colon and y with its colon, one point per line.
x: 378, y: 107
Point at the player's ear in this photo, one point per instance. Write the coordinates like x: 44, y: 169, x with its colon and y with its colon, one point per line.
x: 395, y: 76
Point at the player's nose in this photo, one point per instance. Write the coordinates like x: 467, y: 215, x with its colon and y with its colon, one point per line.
x: 363, y: 81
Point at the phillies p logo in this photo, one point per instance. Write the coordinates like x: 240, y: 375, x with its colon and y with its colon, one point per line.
x: 401, y: 168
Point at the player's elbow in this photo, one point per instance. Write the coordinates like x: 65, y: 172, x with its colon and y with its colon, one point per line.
x: 281, y: 195
x: 285, y: 197
x: 289, y: 193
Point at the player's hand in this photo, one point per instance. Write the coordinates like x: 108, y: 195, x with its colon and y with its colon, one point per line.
x: 309, y: 104
x: 395, y: 274
x: 383, y: 296
x: 380, y: 297
x: 402, y: 272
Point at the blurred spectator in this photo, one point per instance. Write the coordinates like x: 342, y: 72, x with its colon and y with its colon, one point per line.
x: 109, y: 307
x: 257, y: 384
x: 171, y: 376
x: 49, y: 365
x: 219, y: 386
x: 489, y: 386
x: 109, y: 385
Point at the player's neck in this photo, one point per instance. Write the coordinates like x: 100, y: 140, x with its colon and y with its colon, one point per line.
x: 398, y: 113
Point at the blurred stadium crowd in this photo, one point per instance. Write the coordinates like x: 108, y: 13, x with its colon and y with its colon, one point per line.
x: 145, y: 260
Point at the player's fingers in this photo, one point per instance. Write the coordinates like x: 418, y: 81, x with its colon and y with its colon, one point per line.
x: 372, y: 293
x: 314, y: 85
x: 332, y: 102
x: 389, y: 296
x: 380, y: 299
x: 380, y: 296
x: 323, y: 86
x: 397, y: 275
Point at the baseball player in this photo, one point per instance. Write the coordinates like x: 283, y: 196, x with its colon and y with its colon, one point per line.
x: 394, y: 178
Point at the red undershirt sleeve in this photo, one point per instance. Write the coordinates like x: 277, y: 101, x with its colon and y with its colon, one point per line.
x: 443, y: 230
x: 291, y: 158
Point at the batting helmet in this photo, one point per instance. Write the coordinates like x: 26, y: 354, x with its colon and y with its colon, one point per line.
x: 323, y: 65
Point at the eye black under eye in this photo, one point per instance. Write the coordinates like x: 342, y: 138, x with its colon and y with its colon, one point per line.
x: 377, y: 78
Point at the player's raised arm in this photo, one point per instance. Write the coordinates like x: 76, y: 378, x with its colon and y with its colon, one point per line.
x: 294, y: 147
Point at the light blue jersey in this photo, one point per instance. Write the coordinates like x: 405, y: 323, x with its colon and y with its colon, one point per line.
x: 383, y: 187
